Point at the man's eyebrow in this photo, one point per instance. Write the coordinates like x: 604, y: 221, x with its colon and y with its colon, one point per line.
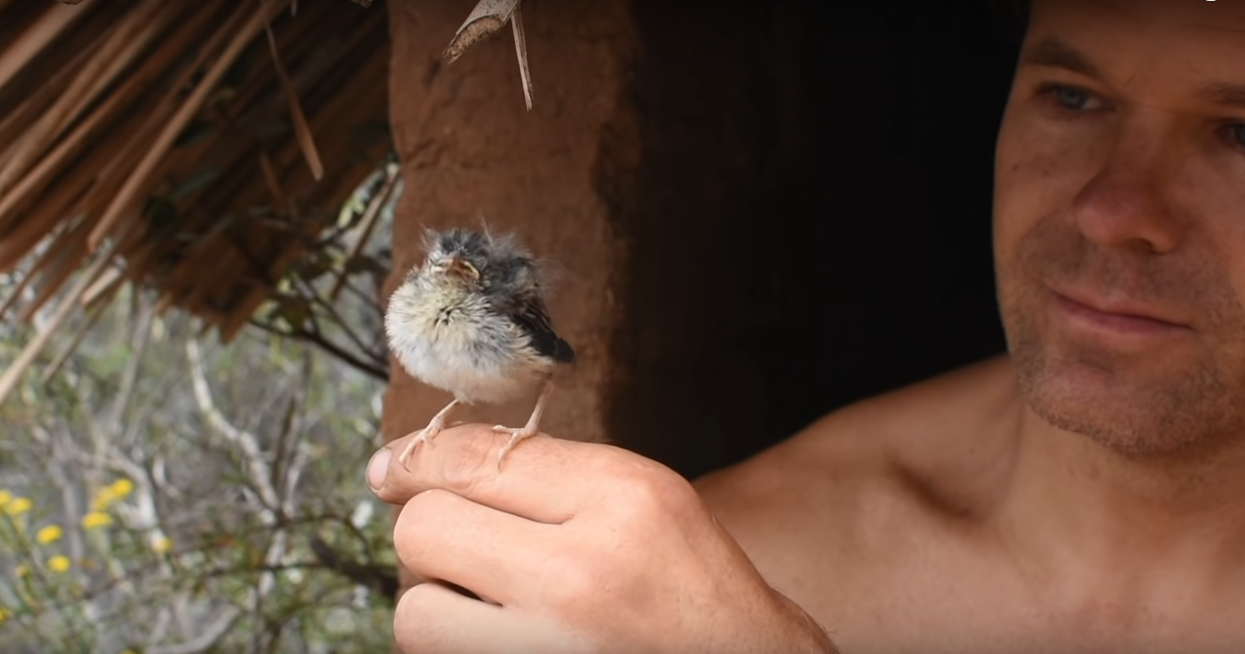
x: 1055, y: 53
x: 1232, y: 95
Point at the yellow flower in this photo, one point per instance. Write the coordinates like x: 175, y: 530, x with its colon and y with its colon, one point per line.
x: 49, y: 534
x: 4, y: 615
x: 17, y: 506
x: 121, y: 488
x: 161, y: 544
x: 5, y: 496
x: 95, y: 520
x: 58, y: 563
x: 103, y: 499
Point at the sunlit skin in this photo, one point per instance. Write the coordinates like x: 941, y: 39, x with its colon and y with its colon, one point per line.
x: 1084, y: 494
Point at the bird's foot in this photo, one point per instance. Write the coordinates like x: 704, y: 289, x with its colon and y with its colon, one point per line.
x: 516, y: 434
x: 425, y: 435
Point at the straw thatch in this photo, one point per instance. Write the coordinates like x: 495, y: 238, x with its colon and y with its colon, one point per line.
x: 193, y: 148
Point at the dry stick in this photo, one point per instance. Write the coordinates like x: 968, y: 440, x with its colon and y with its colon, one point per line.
x: 125, y: 156
x: 15, y: 295
x: 305, y: 139
x: 35, y: 101
x: 67, y: 149
x: 520, y: 50
x: 31, y: 41
x: 104, y: 285
x: 319, y: 66
x: 488, y: 17
x: 150, y: 24
x: 8, y: 381
x: 46, y: 129
x: 42, y: 219
x: 330, y: 113
x: 370, y: 218
x: 316, y: 63
x: 133, y: 185
x: 270, y: 179
x: 92, y: 317
x: 58, y: 273
x: 65, y: 153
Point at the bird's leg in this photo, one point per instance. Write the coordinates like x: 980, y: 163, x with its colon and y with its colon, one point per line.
x: 530, y: 429
x: 427, y: 433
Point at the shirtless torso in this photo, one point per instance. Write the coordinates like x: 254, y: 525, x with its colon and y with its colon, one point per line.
x: 888, y: 522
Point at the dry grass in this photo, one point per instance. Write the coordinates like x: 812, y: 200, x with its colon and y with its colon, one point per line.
x: 181, y: 146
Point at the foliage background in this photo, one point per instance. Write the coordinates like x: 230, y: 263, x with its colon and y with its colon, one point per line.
x: 160, y: 493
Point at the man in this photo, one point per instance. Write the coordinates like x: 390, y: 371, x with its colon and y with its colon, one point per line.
x: 1084, y: 494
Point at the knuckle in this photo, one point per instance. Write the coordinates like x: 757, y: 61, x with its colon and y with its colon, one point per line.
x: 415, y: 601
x: 411, y: 615
x: 422, y: 512
x: 418, y: 522
x: 465, y: 462
x: 650, y: 491
x: 577, y: 579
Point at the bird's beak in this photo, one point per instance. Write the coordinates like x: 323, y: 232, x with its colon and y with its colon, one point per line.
x: 461, y: 268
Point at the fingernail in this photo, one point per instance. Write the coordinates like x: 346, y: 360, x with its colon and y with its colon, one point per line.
x: 378, y: 467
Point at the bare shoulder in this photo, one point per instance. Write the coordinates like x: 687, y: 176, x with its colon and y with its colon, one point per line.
x: 864, y: 482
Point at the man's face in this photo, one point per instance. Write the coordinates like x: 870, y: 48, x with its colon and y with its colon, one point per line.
x: 1120, y: 221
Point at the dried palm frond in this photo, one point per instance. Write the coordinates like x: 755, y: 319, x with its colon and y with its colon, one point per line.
x: 193, y: 148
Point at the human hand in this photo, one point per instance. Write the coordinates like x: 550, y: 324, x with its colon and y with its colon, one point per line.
x: 573, y: 547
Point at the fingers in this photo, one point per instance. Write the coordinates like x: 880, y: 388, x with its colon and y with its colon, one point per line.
x: 542, y: 480
x: 432, y: 619
x: 440, y: 535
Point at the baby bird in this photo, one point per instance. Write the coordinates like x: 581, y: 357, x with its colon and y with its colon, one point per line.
x: 472, y: 321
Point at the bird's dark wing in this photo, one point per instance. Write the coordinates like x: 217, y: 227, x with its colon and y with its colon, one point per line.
x: 531, y: 316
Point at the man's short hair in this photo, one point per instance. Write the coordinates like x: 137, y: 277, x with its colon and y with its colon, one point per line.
x: 1018, y: 9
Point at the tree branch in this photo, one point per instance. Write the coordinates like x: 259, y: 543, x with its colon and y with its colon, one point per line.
x: 328, y: 346
x: 246, y: 442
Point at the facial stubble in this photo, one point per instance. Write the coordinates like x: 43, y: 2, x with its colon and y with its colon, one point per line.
x: 1135, y: 405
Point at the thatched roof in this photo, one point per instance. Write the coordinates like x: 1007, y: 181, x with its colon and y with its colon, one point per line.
x: 180, y: 145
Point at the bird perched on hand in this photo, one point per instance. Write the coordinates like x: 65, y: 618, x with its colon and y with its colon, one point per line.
x: 472, y: 321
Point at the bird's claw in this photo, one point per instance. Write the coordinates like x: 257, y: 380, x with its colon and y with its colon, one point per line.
x: 425, y: 435
x: 516, y: 434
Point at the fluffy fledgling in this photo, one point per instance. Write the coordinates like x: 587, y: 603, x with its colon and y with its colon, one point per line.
x: 472, y: 321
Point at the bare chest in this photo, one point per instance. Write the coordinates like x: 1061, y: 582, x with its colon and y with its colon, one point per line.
x: 962, y: 599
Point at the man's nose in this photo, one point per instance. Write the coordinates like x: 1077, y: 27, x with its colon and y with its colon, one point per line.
x: 1127, y: 202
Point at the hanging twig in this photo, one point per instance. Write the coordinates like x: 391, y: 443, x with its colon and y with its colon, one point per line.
x: 302, y: 131
x: 488, y: 17
x: 520, y: 50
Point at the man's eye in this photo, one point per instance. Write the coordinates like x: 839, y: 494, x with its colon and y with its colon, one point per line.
x: 1236, y: 133
x: 1072, y: 99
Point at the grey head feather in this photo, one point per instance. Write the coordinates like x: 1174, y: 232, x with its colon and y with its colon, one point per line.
x: 509, y: 280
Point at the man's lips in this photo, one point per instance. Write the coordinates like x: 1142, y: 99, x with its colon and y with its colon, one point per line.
x: 1116, y: 317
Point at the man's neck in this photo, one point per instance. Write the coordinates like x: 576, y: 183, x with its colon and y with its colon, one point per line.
x: 1074, y: 507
